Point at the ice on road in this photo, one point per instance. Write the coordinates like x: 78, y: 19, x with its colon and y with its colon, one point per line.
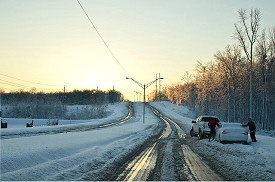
x: 95, y: 154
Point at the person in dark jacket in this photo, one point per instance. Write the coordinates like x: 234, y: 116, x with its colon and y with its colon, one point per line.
x: 252, y: 128
x: 213, y: 123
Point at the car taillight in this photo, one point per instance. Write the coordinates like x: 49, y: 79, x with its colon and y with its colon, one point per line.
x: 225, y: 132
x: 245, y: 133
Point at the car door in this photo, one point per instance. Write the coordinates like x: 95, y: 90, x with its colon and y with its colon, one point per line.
x: 196, y: 125
x: 219, y: 131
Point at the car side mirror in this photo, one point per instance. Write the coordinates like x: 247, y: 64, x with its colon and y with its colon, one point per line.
x: 193, y: 121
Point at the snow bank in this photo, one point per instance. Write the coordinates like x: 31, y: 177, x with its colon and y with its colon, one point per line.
x: 18, y: 126
x: 240, y: 162
x: 92, y: 154
x: 74, y: 156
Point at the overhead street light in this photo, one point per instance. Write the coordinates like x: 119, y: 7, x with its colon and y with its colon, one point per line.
x: 138, y: 94
x: 144, y: 86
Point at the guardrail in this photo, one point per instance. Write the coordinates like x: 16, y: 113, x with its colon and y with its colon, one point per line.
x: 66, y: 129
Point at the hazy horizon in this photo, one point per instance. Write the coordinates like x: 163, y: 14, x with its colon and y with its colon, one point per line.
x: 53, y: 42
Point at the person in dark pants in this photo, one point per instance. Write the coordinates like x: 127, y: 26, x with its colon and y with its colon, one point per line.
x: 252, y: 128
x: 213, y: 123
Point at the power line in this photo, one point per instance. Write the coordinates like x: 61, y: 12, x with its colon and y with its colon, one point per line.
x: 102, y: 38
x: 29, y: 81
x: 4, y: 82
x: 12, y: 83
x: 23, y: 86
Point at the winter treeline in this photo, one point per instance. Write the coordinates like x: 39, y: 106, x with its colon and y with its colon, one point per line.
x: 222, y: 87
x: 34, y: 104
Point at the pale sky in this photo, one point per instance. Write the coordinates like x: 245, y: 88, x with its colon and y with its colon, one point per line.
x: 52, y: 41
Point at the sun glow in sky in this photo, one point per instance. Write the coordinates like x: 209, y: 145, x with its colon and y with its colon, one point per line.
x: 49, y: 41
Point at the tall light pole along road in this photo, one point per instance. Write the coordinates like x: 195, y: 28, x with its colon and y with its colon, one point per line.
x: 144, y: 86
x: 138, y: 94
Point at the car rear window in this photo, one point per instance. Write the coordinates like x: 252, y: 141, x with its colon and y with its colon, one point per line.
x: 207, y: 119
x: 231, y: 125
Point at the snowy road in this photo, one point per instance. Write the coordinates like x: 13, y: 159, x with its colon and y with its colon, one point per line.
x: 99, y: 154
x: 87, y: 155
x: 235, y: 161
x: 168, y: 159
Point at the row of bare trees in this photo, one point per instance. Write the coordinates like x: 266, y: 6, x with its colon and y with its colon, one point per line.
x: 32, y: 104
x: 240, y: 82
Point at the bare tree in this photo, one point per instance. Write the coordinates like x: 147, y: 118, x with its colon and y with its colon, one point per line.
x: 187, y: 77
x: 261, y: 52
x: 272, y: 37
x: 246, y: 34
x: 230, y: 62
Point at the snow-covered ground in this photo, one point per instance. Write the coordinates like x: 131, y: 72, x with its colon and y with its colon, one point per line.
x: 91, y: 154
x: 115, y: 112
x: 246, y: 162
x: 75, y: 155
x: 18, y: 125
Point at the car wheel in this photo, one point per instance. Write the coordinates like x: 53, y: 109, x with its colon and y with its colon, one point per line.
x: 192, y: 132
x: 219, y: 140
x: 200, y: 135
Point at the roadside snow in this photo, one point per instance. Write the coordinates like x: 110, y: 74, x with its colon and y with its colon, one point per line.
x: 73, y: 156
x: 18, y: 126
x: 91, y: 154
x: 239, y: 162
x: 115, y: 112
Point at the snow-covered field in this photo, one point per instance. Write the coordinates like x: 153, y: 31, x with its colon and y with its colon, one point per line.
x: 75, y: 155
x: 92, y: 154
x: 18, y: 125
x: 115, y: 112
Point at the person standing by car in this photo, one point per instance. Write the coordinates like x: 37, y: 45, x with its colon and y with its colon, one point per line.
x: 252, y: 128
x: 213, y: 123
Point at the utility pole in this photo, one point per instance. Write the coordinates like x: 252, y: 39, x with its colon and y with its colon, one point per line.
x: 156, y: 94
x: 0, y: 107
x: 138, y: 96
x: 113, y: 94
x: 159, y: 88
x: 144, y: 101
x: 63, y: 111
x: 143, y: 86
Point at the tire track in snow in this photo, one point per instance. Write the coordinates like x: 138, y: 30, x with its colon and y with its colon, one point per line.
x: 168, y: 152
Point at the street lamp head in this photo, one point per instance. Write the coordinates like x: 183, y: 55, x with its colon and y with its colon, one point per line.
x: 161, y: 78
x: 127, y: 78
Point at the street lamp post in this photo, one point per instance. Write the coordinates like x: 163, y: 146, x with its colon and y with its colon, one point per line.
x: 144, y: 86
x: 138, y: 95
x: 0, y: 107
